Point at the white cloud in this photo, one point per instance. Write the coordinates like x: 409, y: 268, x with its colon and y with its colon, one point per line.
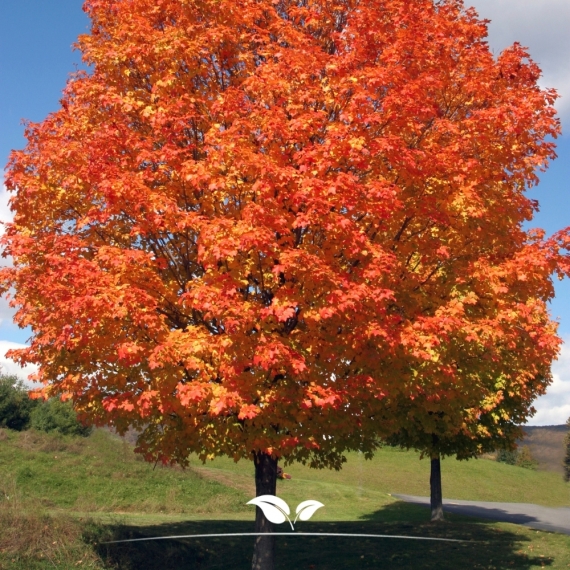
x: 543, y: 26
x: 8, y: 366
x: 554, y: 407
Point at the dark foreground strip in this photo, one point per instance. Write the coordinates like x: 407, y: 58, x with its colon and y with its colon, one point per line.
x: 286, y: 534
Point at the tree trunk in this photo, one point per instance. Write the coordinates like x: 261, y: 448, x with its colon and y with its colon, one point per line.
x: 436, y: 497
x: 265, y: 484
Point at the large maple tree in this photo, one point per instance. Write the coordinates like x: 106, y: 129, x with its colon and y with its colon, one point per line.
x: 251, y: 227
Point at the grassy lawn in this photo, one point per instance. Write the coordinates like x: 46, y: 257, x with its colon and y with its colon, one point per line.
x: 361, y: 483
x: 60, y: 498
x: 64, y: 543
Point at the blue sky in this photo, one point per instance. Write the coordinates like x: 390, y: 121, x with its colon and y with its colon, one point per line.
x: 36, y: 58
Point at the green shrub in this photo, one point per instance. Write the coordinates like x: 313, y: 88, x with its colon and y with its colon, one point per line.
x: 507, y: 456
x: 58, y: 416
x: 15, y: 404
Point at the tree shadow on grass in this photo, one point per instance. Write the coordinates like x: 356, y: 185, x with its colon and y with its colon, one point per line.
x: 485, y: 546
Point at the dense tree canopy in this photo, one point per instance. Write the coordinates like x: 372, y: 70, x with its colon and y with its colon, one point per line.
x: 258, y: 226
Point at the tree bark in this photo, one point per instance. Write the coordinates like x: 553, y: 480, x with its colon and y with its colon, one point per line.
x: 436, y: 496
x: 265, y: 484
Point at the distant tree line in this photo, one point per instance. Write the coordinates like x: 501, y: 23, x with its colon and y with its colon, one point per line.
x: 19, y: 412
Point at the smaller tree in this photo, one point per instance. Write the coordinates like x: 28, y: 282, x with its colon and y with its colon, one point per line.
x: 492, y: 424
x: 566, y: 462
x: 486, y: 436
x: 15, y: 404
x: 525, y: 458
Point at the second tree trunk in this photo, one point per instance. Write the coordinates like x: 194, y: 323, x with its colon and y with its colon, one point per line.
x: 436, y: 498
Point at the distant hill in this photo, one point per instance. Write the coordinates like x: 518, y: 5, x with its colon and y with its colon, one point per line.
x: 546, y: 444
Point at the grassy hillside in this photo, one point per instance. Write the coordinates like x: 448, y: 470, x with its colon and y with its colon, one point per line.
x: 101, y: 473
x: 61, y: 496
x: 363, y: 483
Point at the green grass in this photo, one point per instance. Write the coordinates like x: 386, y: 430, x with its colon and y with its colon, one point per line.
x: 68, y: 495
x: 101, y: 473
x: 351, y: 492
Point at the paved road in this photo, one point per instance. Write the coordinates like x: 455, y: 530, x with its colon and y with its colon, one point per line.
x: 533, y: 516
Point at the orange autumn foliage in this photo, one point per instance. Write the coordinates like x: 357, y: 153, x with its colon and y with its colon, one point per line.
x: 255, y: 226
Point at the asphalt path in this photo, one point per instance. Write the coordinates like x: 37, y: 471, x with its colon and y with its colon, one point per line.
x: 533, y: 516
